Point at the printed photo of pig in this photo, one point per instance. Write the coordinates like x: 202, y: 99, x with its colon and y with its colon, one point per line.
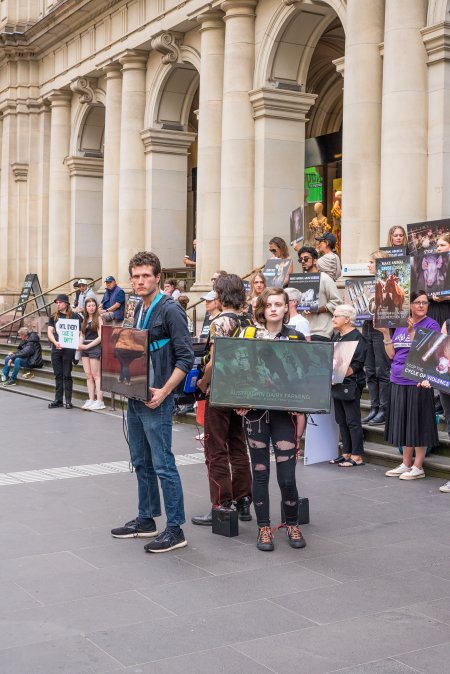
x: 431, y: 273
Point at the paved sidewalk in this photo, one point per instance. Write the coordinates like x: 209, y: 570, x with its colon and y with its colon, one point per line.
x: 369, y: 595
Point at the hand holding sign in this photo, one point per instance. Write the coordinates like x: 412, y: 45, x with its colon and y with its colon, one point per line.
x: 69, y: 333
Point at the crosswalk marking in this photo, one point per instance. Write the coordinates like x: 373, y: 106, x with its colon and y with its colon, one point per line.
x: 68, y: 472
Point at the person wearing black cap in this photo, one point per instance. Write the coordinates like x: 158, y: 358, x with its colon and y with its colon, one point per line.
x: 61, y: 357
x: 112, y: 306
x: 329, y: 261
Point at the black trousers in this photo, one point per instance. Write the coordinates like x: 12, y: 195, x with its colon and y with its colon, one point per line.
x: 378, y: 368
x: 348, y: 416
x: 260, y: 426
x: 62, y: 367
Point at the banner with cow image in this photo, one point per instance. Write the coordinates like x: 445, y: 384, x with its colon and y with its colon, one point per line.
x: 423, y: 236
x: 392, y: 292
x: 308, y: 285
x: 429, y: 358
x: 431, y: 273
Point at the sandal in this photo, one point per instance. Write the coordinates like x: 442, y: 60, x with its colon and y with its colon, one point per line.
x: 338, y: 459
x: 350, y: 463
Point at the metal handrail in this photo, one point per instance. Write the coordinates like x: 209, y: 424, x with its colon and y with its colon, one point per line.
x: 47, y: 292
x: 45, y: 306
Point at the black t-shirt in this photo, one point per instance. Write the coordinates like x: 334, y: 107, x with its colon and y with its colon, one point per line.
x: 53, y: 324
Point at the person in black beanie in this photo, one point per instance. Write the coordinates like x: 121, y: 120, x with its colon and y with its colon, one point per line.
x: 61, y: 357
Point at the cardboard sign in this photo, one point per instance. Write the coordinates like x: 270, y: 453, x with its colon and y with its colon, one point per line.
x: 125, y: 362
x: 309, y: 286
x: 431, y: 273
x: 68, y: 333
x: 392, y: 292
x: 360, y: 294
x: 394, y: 251
x: 276, y: 270
x: 342, y: 357
x: 322, y: 438
x: 429, y: 358
x: 423, y: 236
x: 297, y: 225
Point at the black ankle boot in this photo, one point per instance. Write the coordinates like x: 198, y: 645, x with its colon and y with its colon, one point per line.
x: 243, y: 508
x: 373, y: 413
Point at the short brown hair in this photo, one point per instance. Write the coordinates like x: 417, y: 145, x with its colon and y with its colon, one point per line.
x: 230, y: 291
x: 261, y: 304
x: 145, y: 258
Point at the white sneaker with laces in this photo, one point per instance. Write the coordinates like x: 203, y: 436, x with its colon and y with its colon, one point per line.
x: 445, y: 488
x: 413, y: 474
x: 396, y: 472
x: 87, y: 405
x: 98, y: 405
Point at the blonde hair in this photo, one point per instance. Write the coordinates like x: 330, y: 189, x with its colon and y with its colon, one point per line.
x: 391, y: 233
x: 378, y: 254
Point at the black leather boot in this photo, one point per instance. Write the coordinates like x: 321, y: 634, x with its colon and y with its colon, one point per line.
x: 55, y: 403
x: 203, y: 520
x: 380, y: 418
x: 243, y: 508
x: 373, y: 413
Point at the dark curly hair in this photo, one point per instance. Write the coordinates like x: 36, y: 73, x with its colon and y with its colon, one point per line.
x: 230, y: 291
x: 310, y: 250
x: 145, y: 258
x: 261, y: 304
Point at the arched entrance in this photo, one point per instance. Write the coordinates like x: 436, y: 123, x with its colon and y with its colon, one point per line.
x: 86, y: 181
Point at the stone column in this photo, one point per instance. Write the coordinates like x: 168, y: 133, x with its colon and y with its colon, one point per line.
x: 405, y: 124
x: 8, y: 189
x: 43, y: 153
x: 280, y: 118
x: 212, y: 32
x: 131, y: 237
x: 59, y: 190
x: 437, y: 44
x: 111, y: 183
x: 237, y: 164
x: 166, y: 170
x: 362, y: 129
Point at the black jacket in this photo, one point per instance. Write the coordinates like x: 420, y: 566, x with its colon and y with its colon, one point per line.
x: 359, y: 357
x: 30, y: 349
x: 168, y: 321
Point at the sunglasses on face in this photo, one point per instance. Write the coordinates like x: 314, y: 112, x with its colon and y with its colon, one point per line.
x: 273, y: 250
x: 305, y: 259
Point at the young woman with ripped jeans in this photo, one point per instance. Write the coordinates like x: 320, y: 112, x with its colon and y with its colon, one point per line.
x: 283, y: 428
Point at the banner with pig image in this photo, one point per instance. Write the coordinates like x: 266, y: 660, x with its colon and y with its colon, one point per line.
x: 431, y: 273
x: 429, y: 358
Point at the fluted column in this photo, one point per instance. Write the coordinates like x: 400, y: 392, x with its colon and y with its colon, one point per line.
x: 111, y: 175
x: 437, y: 44
x: 405, y: 117
x: 362, y: 129
x: 131, y: 236
x: 237, y: 163
x: 8, y: 189
x: 59, y: 190
x: 166, y: 161
x: 280, y: 118
x: 212, y: 33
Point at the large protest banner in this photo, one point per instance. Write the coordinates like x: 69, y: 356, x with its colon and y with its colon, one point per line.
x: 360, y: 294
x: 264, y: 374
x: 392, y: 292
x: 429, y: 358
x: 125, y: 362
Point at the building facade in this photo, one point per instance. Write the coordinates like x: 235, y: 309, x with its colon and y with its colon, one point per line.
x: 139, y: 124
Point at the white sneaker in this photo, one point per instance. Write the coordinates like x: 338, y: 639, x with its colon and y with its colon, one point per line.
x: 200, y: 436
x: 87, y: 405
x: 413, y: 474
x: 396, y: 472
x: 445, y: 488
x: 98, y: 405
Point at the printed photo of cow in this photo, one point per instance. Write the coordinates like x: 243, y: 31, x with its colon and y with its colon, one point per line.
x: 392, y: 288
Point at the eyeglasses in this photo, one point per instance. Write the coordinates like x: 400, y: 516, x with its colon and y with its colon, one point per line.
x: 306, y: 258
x: 273, y: 250
x: 420, y: 304
x: 339, y: 316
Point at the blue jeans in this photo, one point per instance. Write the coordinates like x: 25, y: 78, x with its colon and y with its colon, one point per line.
x: 17, y: 364
x: 150, y: 438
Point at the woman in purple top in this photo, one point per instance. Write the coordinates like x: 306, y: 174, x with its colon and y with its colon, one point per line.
x: 411, y: 418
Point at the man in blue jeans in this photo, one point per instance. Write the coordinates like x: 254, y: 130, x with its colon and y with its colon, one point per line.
x: 28, y: 354
x: 150, y: 424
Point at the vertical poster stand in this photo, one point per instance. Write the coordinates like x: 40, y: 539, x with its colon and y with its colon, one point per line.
x: 31, y: 286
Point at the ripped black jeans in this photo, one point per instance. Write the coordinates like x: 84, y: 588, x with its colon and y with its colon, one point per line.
x: 260, y: 426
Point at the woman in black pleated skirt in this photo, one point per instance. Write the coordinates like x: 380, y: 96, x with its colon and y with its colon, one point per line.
x: 411, y: 421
